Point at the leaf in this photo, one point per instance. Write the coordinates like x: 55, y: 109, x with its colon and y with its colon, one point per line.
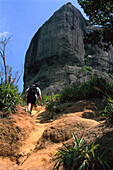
x: 82, y: 140
x: 75, y: 138
x: 92, y: 147
x: 96, y: 146
x: 82, y: 166
x: 107, y: 165
x: 110, y: 100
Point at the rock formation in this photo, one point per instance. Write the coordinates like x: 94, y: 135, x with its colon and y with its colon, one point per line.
x: 57, y: 52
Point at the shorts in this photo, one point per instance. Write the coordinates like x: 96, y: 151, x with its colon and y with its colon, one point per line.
x: 31, y: 99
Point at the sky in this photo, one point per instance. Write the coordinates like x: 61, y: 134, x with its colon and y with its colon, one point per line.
x: 21, y: 19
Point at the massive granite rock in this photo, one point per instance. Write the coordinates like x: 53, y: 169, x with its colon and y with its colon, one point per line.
x: 57, y: 52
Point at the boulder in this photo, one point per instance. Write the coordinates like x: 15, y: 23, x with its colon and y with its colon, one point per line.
x: 57, y: 52
x: 61, y: 130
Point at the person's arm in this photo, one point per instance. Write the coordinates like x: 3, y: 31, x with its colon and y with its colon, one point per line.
x: 40, y: 98
x: 25, y: 95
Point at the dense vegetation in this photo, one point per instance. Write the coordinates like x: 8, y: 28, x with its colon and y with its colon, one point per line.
x: 94, y: 88
x: 9, y: 93
x: 100, y: 13
x: 9, y: 97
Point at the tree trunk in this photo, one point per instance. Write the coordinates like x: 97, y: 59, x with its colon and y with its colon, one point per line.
x: 5, y: 66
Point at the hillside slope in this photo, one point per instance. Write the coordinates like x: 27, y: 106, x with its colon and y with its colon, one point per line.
x: 30, y: 142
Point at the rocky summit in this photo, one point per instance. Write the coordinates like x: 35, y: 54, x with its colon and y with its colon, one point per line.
x: 57, y: 52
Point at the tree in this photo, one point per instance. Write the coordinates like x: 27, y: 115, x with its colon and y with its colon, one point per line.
x: 6, y: 70
x: 100, y: 13
x: 3, y: 43
x: 9, y: 93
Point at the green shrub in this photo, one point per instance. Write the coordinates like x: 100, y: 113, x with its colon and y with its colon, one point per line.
x: 108, y: 112
x: 46, y: 99
x: 96, y: 87
x: 53, y: 105
x: 9, y: 97
x: 80, y: 156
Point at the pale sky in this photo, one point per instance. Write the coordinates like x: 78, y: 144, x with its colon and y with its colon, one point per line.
x: 21, y: 19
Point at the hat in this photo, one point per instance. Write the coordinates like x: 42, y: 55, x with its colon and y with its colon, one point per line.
x: 33, y: 84
x: 36, y: 84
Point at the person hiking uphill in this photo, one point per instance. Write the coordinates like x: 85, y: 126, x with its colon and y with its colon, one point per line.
x: 32, y: 93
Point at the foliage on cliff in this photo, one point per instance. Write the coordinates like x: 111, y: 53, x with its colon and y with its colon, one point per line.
x: 100, y: 13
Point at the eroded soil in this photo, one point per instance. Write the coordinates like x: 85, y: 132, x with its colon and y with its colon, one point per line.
x: 28, y: 142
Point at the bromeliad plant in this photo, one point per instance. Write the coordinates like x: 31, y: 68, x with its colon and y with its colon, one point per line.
x: 80, y: 156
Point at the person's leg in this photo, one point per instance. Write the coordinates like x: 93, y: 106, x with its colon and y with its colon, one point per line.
x: 33, y: 102
x: 29, y: 106
x: 32, y: 106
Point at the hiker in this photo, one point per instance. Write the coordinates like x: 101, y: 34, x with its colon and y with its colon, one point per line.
x: 32, y: 93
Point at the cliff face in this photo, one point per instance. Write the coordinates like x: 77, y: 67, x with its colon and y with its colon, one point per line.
x: 57, y: 52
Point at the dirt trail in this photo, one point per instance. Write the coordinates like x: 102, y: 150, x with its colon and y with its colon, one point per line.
x: 37, y: 160
x: 41, y: 159
x: 36, y: 134
x: 30, y: 143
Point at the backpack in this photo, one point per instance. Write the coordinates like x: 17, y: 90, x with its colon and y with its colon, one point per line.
x: 32, y: 91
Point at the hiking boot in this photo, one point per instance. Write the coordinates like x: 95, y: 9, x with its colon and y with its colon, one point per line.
x: 30, y: 112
